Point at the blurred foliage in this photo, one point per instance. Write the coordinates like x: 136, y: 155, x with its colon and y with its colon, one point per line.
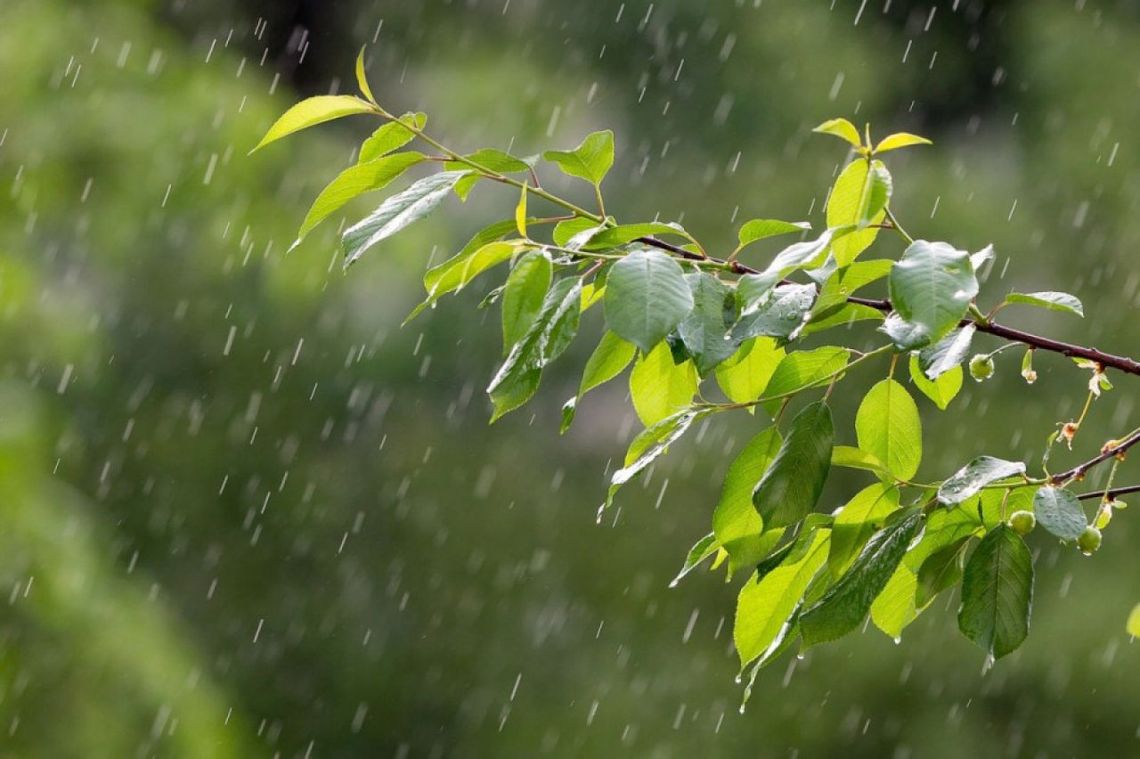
x: 245, y: 514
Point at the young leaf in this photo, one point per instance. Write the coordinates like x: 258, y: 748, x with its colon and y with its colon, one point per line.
x: 391, y: 136
x: 841, y: 128
x: 660, y: 387
x: 705, y: 330
x: 942, y: 390
x: 1133, y: 624
x: 948, y: 353
x: 997, y: 593
x: 591, y: 160
x: 856, y: 522
x: 701, y: 550
x: 362, y: 79
x: 931, y: 287
x: 646, y: 297
x: 313, y: 111
x: 1059, y: 512
x: 649, y: 445
x: 743, y: 376
x: 396, y: 213
x: 970, y: 479
x: 900, y: 140
x: 491, y: 159
x: 354, y: 182
x: 735, y: 520
x: 887, y: 425
x: 607, y: 361
x: 765, y: 606
x: 846, y: 604
x: 520, y: 213
x: 1051, y: 300
x: 791, y: 487
x: 859, y: 198
x: 524, y: 294
x: 804, y: 369
x: 613, y: 237
x: 760, y: 229
x: 849, y: 457
x: 569, y: 229
x: 456, y: 272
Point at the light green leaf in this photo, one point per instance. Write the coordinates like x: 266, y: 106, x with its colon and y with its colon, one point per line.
x: 391, y: 136
x: 608, y: 360
x: 659, y: 387
x: 591, y: 160
x: 858, y: 198
x: 614, y: 237
x: 396, y: 213
x: 791, y: 487
x: 1059, y: 512
x: 843, y: 283
x: 735, y: 520
x: 847, y: 315
x: 841, y: 128
x: 849, y: 457
x: 491, y: 159
x: 567, y: 230
x: 970, y: 479
x: 948, y: 353
x: 701, y: 550
x: 649, y: 445
x: 900, y: 140
x: 354, y: 182
x: 457, y: 272
x: 313, y: 111
x: 1053, y: 301
x: 857, y: 521
x: 646, y: 297
x: 940, y: 391
x: 804, y: 369
x: 931, y: 288
x: 362, y: 79
x: 705, y: 330
x: 764, y: 607
x: 846, y: 604
x: 760, y: 229
x: 887, y: 426
x: 743, y: 376
x: 1133, y: 625
x: 524, y: 294
x: 997, y: 593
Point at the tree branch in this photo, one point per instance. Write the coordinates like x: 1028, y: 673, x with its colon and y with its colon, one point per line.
x: 1112, y: 494
x: 1106, y: 453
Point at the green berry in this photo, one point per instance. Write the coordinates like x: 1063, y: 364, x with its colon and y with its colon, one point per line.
x: 1089, y: 541
x: 1023, y: 522
x: 981, y: 367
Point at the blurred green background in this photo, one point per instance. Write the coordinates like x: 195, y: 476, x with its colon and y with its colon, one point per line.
x: 242, y: 513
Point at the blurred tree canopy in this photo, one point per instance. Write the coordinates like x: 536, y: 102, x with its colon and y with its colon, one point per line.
x: 245, y: 514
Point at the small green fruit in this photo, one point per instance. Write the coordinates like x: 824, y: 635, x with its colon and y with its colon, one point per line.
x: 1089, y: 541
x: 981, y: 367
x: 1023, y: 522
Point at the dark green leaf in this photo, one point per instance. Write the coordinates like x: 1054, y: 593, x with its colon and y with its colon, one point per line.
x: 397, y: 212
x: 792, y: 485
x: 931, y: 288
x: 970, y: 479
x: 947, y: 354
x: 857, y: 521
x: 1059, y: 512
x: 646, y: 297
x: 705, y: 330
x: 781, y: 313
x: 649, y: 445
x: 939, y: 571
x: 997, y: 593
x: 525, y: 291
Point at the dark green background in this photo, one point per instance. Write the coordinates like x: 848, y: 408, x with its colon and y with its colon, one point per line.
x: 313, y: 542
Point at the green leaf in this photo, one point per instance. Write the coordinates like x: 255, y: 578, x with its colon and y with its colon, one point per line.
x: 941, y: 570
x: 841, y: 128
x: 362, y: 79
x: 997, y: 593
x: 931, y: 288
x: 613, y: 237
x: 764, y: 607
x: 513, y: 391
x: 781, y: 313
x: 847, y: 315
x: 857, y: 521
x: 520, y: 213
x: 792, y: 485
x: 970, y: 479
x: 1059, y: 512
x: 846, y: 604
x: 843, y: 283
x: 940, y: 391
x: 705, y: 330
x: 859, y: 197
x: 849, y: 457
x: 391, y: 136
x: 760, y: 229
x: 948, y: 353
x: 735, y: 521
x: 659, y: 387
x: 701, y: 550
x: 567, y: 230
x: 457, y: 272
x: 804, y: 369
x: 900, y: 140
x: 492, y: 159
x: 649, y: 445
x: 313, y: 111
x: 753, y: 288
x: 396, y: 213
x: 646, y: 297
x: 744, y: 375
x: 608, y: 360
x: 354, y: 182
x: 591, y: 160
x: 524, y: 294
x: 1053, y: 301
x: 887, y: 425
x: 1133, y: 625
